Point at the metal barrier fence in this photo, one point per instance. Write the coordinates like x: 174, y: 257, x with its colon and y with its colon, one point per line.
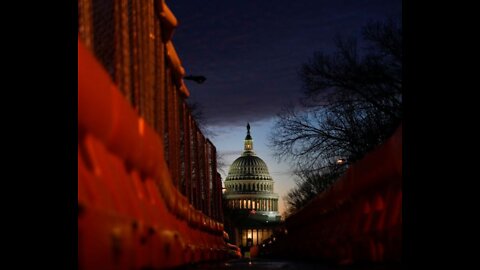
x: 359, y: 219
x: 149, y: 193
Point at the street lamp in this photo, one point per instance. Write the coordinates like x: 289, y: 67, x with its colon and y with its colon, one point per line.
x: 198, y: 79
x: 341, y: 161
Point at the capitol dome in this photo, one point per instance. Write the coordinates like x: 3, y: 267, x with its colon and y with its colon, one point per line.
x: 248, y: 167
x: 248, y: 173
x: 251, y: 203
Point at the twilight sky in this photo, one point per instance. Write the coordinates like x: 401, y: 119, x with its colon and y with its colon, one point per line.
x: 250, y: 52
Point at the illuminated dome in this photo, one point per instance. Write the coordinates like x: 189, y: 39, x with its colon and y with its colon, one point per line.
x: 248, y: 167
x: 248, y: 171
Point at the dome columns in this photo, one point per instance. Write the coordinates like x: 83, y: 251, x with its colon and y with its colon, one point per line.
x: 249, y: 186
x: 257, y: 204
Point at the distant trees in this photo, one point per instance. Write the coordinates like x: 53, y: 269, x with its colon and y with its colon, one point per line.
x: 309, y: 184
x: 352, y: 103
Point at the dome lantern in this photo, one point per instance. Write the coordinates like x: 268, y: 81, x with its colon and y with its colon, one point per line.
x: 248, y: 144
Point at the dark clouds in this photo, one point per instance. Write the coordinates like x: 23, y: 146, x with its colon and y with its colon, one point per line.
x: 251, y: 50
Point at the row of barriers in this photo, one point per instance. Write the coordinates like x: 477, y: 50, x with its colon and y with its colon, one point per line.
x: 359, y: 219
x: 149, y: 195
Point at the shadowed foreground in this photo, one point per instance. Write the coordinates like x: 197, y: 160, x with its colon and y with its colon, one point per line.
x: 284, y: 264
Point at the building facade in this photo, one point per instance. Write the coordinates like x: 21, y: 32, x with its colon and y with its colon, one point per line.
x: 251, y: 206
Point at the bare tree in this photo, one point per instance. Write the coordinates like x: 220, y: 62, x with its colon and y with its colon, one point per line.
x: 309, y: 184
x: 196, y: 109
x: 352, y: 103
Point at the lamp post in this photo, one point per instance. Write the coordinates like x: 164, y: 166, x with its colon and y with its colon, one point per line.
x: 341, y: 161
x: 198, y: 79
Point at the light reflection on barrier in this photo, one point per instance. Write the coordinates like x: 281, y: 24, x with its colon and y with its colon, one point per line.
x: 149, y: 195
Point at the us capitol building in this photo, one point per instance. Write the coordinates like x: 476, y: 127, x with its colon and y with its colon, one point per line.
x: 251, y: 206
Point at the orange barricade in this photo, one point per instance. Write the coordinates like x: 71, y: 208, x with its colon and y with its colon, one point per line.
x: 137, y: 207
x: 358, y: 218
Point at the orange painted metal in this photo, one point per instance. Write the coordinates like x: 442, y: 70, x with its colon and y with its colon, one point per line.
x: 178, y: 69
x: 133, y: 216
x: 169, y: 20
x: 358, y: 219
x: 139, y: 207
